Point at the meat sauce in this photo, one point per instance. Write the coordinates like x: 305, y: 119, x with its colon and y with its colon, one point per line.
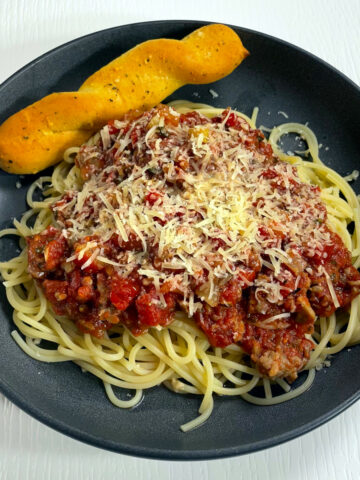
x: 96, y: 297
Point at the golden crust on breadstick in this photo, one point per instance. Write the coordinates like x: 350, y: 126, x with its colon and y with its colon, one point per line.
x: 37, y: 136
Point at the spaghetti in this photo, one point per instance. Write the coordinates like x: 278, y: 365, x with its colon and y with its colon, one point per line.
x: 179, y: 353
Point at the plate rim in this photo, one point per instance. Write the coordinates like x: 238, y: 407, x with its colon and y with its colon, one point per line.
x: 157, y: 453
x: 199, y: 22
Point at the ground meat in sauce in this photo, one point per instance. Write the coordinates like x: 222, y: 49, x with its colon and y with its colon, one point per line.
x: 267, y: 313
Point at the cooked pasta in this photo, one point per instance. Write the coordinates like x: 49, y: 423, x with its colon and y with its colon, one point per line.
x: 186, y: 355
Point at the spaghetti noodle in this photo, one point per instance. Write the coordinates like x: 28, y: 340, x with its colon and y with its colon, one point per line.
x: 179, y: 355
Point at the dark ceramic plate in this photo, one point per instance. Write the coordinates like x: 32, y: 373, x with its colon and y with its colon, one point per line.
x: 276, y: 77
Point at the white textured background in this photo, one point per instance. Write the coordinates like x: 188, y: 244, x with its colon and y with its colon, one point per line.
x: 327, y: 28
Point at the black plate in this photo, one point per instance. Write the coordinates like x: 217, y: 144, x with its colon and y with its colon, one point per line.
x: 276, y: 77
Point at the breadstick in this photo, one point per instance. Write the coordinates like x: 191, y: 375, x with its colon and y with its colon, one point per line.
x: 37, y: 136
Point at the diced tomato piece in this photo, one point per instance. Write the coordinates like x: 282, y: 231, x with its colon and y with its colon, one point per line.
x: 112, y: 129
x: 54, y: 253
x: 150, y: 310
x: 235, y: 121
x: 269, y: 173
x: 153, y: 197
x: 193, y: 118
x: 123, y: 291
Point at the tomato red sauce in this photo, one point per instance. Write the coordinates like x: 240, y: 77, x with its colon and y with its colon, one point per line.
x: 96, y: 297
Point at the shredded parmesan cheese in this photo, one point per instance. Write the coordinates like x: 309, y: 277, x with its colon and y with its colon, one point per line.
x: 331, y: 288
x: 194, y: 200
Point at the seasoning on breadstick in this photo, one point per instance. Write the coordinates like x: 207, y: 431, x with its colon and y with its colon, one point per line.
x: 37, y: 136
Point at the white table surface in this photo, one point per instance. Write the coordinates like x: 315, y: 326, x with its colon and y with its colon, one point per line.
x: 327, y: 28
